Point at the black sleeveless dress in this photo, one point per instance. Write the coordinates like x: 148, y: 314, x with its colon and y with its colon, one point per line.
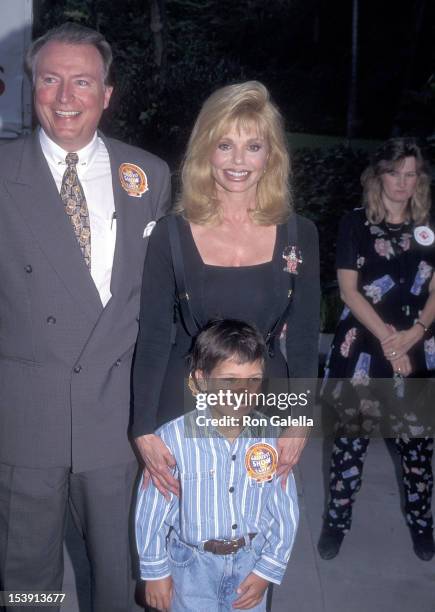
x: 256, y: 294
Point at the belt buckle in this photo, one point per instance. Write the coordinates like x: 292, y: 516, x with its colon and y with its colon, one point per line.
x: 234, y: 543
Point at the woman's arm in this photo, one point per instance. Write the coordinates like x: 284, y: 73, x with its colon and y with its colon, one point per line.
x: 155, y: 327
x: 359, y: 306
x: 366, y: 314
x: 303, y: 322
x: 401, y: 342
x: 302, y: 343
x: 152, y: 353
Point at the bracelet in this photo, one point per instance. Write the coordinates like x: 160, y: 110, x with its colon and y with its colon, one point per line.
x: 418, y: 322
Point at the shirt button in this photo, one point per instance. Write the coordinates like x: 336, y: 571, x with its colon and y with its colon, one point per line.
x: 51, y: 320
x: 401, y: 281
x: 118, y: 362
x: 233, y: 457
x: 231, y: 489
x: 78, y: 369
x: 28, y: 269
x: 234, y: 526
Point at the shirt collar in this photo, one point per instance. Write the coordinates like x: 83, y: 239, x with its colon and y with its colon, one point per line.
x: 210, y: 431
x: 55, y: 155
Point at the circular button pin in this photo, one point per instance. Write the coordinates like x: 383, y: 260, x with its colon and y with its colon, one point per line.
x: 78, y: 369
x: 51, y: 320
x: 28, y: 269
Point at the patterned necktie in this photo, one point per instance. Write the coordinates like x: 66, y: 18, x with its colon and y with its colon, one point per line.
x: 74, y: 200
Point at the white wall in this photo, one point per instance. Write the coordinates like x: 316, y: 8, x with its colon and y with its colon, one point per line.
x: 15, y: 92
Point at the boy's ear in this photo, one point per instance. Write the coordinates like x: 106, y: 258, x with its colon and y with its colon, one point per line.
x: 197, y: 383
x: 199, y: 380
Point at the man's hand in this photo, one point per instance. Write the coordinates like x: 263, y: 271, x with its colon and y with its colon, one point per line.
x: 289, y: 452
x: 158, y: 463
x: 251, y: 592
x: 158, y: 593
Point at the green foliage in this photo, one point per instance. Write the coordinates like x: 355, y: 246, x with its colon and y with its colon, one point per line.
x: 326, y: 185
x: 331, y: 307
x: 206, y: 43
x: 209, y: 43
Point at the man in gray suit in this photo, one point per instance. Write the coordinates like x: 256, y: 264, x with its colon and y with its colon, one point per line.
x: 76, y: 213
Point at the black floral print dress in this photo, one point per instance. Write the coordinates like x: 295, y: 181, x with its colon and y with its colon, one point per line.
x: 394, y: 273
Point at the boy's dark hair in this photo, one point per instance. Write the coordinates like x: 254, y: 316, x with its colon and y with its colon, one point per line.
x: 222, y: 339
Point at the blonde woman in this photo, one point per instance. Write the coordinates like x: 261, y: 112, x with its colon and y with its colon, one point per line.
x: 241, y: 250
x: 385, y: 263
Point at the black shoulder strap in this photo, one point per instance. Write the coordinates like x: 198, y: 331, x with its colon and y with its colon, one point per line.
x: 189, y: 321
x: 183, y: 299
x: 292, y: 237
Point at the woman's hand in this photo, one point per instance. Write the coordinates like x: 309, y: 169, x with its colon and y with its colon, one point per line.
x: 399, y: 343
x: 402, y: 365
x: 289, y: 452
x: 158, y: 465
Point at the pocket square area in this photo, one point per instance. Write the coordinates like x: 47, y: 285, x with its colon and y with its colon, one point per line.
x: 148, y: 229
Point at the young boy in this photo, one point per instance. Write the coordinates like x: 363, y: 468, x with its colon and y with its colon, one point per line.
x: 230, y: 533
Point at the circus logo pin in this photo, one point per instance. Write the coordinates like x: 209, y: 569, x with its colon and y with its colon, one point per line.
x: 261, y: 460
x: 133, y: 179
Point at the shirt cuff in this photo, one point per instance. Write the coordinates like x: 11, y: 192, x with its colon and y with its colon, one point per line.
x: 270, y: 569
x: 154, y: 569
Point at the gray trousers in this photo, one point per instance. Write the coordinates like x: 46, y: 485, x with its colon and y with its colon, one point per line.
x: 33, y: 508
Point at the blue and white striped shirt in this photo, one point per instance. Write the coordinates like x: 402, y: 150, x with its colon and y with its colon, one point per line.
x: 218, y: 500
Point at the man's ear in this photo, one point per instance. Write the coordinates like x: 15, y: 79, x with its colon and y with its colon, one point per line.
x: 108, y: 90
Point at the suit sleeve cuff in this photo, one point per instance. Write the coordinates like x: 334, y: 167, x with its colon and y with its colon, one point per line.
x: 142, y: 429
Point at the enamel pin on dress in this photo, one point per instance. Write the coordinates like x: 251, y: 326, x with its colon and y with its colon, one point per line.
x: 293, y: 257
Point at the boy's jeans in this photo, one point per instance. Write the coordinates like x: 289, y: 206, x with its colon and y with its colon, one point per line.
x: 205, y: 582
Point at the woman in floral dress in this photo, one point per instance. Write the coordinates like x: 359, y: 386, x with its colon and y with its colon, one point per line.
x: 385, y: 264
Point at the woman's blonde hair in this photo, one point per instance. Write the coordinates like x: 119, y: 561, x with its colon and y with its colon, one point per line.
x: 241, y: 106
x: 388, y: 157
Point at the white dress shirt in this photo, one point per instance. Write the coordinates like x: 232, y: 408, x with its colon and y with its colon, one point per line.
x: 93, y: 169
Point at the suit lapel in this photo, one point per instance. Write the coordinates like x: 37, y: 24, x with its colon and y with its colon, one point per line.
x: 35, y: 194
x: 130, y: 219
x: 119, y: 197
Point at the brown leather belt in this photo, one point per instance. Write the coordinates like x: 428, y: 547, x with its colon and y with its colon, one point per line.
x: 226, y: 547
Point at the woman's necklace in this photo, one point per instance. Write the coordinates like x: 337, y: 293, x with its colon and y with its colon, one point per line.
x: 395, y: 227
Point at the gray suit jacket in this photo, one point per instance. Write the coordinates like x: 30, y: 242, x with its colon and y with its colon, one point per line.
x: 65, y: 360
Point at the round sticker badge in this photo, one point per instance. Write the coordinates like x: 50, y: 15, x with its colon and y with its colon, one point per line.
x: 424, y: 235
x: 133, y: 179
x: 261, y: 460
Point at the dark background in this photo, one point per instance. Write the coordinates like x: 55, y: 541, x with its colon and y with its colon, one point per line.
x: 171, y: 54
